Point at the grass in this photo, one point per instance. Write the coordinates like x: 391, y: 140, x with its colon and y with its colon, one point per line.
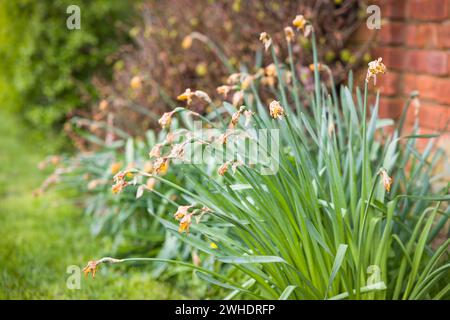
x: 41, y: 237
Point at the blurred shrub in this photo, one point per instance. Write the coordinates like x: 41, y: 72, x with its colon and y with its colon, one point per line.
x: 169, y: 59
x: 46, y: 68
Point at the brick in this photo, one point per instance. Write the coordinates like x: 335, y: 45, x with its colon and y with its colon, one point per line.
x: 388, y: 84
x: 427, y: 10
x: 392, y: 33
x: 424, y: 35
x: 431, y: 116
x: 390, y: 108
x: 394, y: 9
x: 443, y: 36
x: 362, y: 34
x: 430, y: 87
x: 393, y: 58
x: 427, y: 61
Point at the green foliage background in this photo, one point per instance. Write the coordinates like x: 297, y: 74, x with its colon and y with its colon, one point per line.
x: 46, y: 68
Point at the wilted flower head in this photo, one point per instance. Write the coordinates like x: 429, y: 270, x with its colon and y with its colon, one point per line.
x: 161, y: 165
x: 186, y: 95
x: 375, y: 67
x: 156, y: 150
x: 182, y: 212
x: 387, y: 181
x: 235, y: 117
x: 234, y: 78
x: 148, y: 167
x: 289, y: 34
x: 266, y: 40
x: 91, y: 267
x: 185, y: 223
x: 136, y: 82
x: 276, y: 110
x: 166, y: 119
x: 302, y: 24
x: 119, y: 181
x: 223, y: 169
x: 202, y: 95
x: 177, y: 151
x: 223, y: 90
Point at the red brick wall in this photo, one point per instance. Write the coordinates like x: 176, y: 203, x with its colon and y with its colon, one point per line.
x: 414, y: 42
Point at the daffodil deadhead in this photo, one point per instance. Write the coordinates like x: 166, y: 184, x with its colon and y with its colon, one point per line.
x: 185, y: 223
x: 302, y: 24
x: 91, y: 267
x: 186, y: 96
x: 182, y: 212
x: 266, y: 40
x: 223, y: 169
x: 187, y: 42
x: 386, y: 179
x: 161, y: 165
x: 223, y: 90
x: 166, y: 119
x: 289, y: 34
x: 375, y: 68
x: 276, y: 110
x: 115, y: 167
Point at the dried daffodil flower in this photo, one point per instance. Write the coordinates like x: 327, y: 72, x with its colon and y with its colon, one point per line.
x: 136, y: 83
x: 276, y: 110
x: 156, y: 151
x: 302, y: 24
x: 182, y: 211
x: 166, y: 119
x: 376, y: 67
x: 148, y: 167
x: 387, y: 181
x: 223, y: 169
x: 187, y: 42
x: 177, y: 151
x: 161, y: 165
x: 119, y: 182
x: 223, y: 90
x: 202, y: 95
x: 289, y: 34
x: 234, y: 78
x: 91, y: 267
x: 235, y: 117
x: 185, y: 223
x: 266, y: 40
x: 186, y: 96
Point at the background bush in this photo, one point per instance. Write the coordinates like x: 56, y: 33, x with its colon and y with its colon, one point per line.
x: 46, y: 68
x: 167, y: 62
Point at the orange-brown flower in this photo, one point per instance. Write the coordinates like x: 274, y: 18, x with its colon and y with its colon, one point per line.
x: 186, y: 96
x: 103, y: 105
x: 387, y: 181
x: 276, y: 110
x: 161, y: 165
x: 166, y: 119
x: 223, y: 169
x: 187, y: 42
x: 223, y: 90
x: 182, y: 211
x: 185, y: 223
x: 91, y: 267
x: 234, y: 78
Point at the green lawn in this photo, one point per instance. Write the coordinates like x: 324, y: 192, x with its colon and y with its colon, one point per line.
x: 41, y: 237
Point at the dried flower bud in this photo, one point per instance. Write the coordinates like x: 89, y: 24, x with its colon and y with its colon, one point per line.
x: 136, y: 83
x: 202, y: 95
x: 223, y: 90
x: 387, y: 181
x: 166, y: 119
x: 187, y: 42
x: 186, y: 95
